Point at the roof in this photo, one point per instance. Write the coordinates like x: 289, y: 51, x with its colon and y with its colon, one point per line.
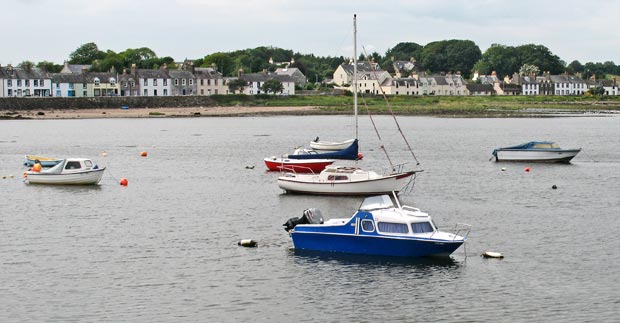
x: 474, y: 87
x: 180, y: 74
x: 67, y: 78
x: 152, y: 74
x: 10, y: 72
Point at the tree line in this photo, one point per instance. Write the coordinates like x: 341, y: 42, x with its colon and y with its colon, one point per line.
x: 446, y: 56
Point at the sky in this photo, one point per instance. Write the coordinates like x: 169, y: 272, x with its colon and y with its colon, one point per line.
x: 50, y: 30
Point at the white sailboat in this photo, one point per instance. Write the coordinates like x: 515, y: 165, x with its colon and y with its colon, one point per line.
x: 345, y: 180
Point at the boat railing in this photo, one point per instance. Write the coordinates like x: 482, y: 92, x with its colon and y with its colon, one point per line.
x: 292, y: 169
x: 462, y: 229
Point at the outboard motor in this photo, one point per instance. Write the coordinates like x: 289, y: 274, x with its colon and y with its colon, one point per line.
x: 310, y: 216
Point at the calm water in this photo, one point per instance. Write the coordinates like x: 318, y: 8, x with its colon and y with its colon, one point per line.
x: 164, y: 248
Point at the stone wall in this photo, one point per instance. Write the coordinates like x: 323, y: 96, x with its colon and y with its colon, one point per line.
x: 30, y: 103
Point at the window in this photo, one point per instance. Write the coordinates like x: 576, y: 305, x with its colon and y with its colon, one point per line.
x: 202, y: 82
x: 112, y: 81
x: 165, y: 82
x: 191, y: 81
x: 73, y: 165
x: 154, y: 82
x: 421, y: 227
x: 183, y: 81
x: 36, y: 82
x: 146, y: 92
x: 57, y: 85
x: 208, y: 82
x: 390, y: 227
x: 132, y: 83
x: 10, y: 92
x: 27, y: 82
x: 97, y: 92
x: 124, y: 83
x: 337, y: 178
x: 165, y: 92
x: 155, y: 92
x: 71, y: 86
x: 176, y: 81
x: 202, y: 92
x: 368, y: 226
x: 9, y: 82
x: 19, y: 82
x: 97, y: 81
x: 146, y: 82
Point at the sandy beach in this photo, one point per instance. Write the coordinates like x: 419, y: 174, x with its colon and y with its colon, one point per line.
x: 150, y: 112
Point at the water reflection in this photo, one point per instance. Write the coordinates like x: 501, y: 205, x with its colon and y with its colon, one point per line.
x: 305, y: 257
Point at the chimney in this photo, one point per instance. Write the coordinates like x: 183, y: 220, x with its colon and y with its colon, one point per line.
x: 84, y: 69
x: 191, y: 67
x: 164, y: 67
x: 133, y: 69
x: 240, y: 74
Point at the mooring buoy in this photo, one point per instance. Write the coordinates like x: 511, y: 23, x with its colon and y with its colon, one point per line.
x: 248, y: 243
x: 491, y: 254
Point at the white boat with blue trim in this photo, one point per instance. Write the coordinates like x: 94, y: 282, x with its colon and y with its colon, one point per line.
x: 536, y: 151
x: 381, y: 226
x: 70, y: 171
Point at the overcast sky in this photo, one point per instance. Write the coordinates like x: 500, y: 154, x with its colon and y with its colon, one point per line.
x: 37, y: 30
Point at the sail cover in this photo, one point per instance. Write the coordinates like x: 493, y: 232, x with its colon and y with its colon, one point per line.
x: 349, y: 153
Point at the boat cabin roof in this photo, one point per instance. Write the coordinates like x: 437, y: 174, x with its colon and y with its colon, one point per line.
x: 377, y: 202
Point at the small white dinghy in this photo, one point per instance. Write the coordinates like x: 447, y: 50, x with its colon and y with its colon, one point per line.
x: 70, y: 171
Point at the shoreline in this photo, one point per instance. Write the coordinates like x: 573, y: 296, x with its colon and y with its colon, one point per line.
x: 240, y: 111
x: 177, y: 112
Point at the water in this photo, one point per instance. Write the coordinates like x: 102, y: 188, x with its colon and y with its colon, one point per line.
x: 164, y: 248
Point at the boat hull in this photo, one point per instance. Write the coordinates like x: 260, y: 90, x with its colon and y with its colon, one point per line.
x: 312, y: 185
x: 297, y: 165
x: 373, y: 245
x: 90, y: 177
x: 329, y: 145
x: 45, y: 161
x: 538, y: 155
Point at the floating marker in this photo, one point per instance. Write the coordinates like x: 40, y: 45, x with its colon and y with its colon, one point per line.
x: 124, y: 181
x: 503, y: 169
x: 3, y: 177
x: 248, y: 243
x: 554, y: 187
x: 104, y: 154
x: 143, y: 154
x: 360, y: 156
x: 491, y: 254
x: 527, y: 169
x: 249, y: 167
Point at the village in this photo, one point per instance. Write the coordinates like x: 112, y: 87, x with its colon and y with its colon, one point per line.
x: 75, y: 80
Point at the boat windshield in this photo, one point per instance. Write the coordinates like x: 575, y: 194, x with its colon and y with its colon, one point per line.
x: 376, y: 203
x: 58, y: 168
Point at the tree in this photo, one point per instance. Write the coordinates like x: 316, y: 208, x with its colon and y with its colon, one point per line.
x: 528, y: 70
x: 574, y: 67
x: 49, y: 66
x: 86, y: 54
x: 26, y: 65
x: 272, y: 86
x: 499, y: 58
x: 450, y: 56
x: 237, y: 85
x: 540, y: 56
x: 223, y: 62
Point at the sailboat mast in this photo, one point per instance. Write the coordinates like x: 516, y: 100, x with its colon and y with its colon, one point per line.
x: 355, y: 72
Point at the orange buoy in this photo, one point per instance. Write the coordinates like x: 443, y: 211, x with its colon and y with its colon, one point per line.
x: 527, y: 169
x: 124, y: 181
x: 25, y: 174
x: 143, y: 154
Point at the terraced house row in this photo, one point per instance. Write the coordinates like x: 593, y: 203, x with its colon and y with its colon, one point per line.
x: 78, y: 81
x: 409, y: 80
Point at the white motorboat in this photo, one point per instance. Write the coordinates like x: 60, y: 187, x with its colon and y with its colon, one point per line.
x: 70, y: 171
x: 536, y: 151
x: 343, y: 180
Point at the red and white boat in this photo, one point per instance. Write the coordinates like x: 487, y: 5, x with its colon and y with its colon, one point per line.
x: 297, y: 165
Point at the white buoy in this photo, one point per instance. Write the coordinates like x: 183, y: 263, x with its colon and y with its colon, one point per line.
x: 247, y: 243
x: 491, y: 254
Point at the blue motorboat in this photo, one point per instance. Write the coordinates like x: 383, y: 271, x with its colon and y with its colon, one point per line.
x: 381, y: 226
x: 536, y: 151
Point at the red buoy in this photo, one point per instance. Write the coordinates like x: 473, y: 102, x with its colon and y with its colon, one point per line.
x: 124, y: 181
x: 143, y: 154
x: 527, y: 169
x: 360, y: 156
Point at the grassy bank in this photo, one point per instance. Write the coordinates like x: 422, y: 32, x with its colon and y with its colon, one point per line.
x: 435, y: 105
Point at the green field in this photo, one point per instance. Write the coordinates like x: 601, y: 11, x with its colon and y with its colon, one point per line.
x: 435, y: 105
